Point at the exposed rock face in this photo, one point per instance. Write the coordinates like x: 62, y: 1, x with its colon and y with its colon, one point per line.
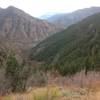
x: 17, y: 26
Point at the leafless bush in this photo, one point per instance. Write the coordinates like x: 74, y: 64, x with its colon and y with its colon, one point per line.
x: 4, y: 83
x: 37, y: 79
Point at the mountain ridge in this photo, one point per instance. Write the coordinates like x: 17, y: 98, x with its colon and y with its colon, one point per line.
x: 16, y: 25
x: 68, y: 19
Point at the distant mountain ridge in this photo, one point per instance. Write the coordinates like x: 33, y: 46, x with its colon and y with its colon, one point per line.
x: 67, y: 19
x: 48, y: 15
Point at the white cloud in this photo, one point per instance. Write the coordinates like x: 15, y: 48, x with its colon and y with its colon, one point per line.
x: 39, y: 7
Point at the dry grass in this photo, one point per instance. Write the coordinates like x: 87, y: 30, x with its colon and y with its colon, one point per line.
x: 46, y: 93
x: 58, y: 93
x: 91, y: 92
x: 88, y: 90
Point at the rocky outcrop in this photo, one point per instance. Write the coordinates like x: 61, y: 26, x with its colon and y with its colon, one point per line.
x: 18, y: 26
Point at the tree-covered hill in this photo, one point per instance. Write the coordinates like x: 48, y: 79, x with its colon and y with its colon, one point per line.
x: 73, y: 49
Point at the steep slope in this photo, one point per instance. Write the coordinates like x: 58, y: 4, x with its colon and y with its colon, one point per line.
x: 19, y: 27
x: 66, y: 20
x: 73, y: 49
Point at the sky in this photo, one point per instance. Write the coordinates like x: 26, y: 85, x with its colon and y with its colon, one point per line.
x: 39, y: 8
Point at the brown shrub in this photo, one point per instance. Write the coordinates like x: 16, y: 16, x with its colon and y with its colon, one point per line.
x: 4, y: 83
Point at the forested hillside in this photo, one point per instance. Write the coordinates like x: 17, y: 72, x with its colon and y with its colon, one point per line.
x: 74, y: 49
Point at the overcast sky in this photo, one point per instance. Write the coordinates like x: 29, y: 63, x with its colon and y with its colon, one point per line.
x: 38, y: 8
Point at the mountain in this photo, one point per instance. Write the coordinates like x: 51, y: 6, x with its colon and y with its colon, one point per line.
x: 47, y: 15
x: 74, y: 49
x: 20, y: 28
x: 65, y: 20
